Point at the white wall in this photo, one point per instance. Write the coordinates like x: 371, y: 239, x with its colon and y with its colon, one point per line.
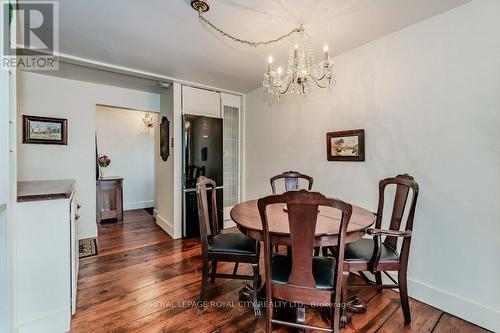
x: 428, y: 97
x: 122, y: 136
x: 7, y: 102
x: 165, y: 169
x: 168, y: 208
x: 75, y: 100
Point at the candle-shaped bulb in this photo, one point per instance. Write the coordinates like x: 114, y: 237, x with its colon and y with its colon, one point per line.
x: 325, y: 49
x: 279, y: 70
x: 296, y: 46
x: 269, y: 63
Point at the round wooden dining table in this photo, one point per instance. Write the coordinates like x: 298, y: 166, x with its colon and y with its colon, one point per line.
x: 247, y: 218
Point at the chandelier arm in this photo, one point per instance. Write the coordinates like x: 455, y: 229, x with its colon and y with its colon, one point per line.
x: 243, y: 41
x: 287, y: 87
x: 317, y: 83
x: 279, y: 87
x: 318, y: 78
x: 274, y: 86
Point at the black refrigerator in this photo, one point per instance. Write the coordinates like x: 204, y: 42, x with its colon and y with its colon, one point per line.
x: 202, y: 156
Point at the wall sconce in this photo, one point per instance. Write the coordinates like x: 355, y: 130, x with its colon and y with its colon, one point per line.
x: 148, y: 120
x: 204, y: 127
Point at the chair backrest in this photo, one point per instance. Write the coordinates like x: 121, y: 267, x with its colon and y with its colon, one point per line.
x: 200, y: 172
x: 302, y: 207
x: 207, y: 211
x: 291, y: 179
x: 403, y: 185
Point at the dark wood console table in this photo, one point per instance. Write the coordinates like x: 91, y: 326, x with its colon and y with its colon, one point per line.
x: 109, y: 196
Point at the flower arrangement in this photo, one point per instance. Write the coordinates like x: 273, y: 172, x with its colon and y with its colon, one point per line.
x: 104, y: 161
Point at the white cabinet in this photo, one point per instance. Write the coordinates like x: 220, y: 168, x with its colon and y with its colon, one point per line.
x: 201, y: 102
x: 46, y: 247
x: 75, y: 250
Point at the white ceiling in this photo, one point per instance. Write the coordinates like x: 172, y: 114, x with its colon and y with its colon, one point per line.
x: 165, y: 37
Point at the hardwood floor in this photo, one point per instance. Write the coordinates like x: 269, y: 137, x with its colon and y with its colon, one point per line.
x: 143, y: 281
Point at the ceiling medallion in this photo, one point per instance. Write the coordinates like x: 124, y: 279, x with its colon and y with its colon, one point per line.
x: 302, y: 71
x: 200, y: 5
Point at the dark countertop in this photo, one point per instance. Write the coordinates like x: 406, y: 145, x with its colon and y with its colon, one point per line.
x: 39, y: 190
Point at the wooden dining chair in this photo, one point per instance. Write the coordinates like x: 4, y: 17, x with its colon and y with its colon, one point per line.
x: 377, y: 256
x: 223, y: 247
x: 291, y: 180
x: 304, y: 278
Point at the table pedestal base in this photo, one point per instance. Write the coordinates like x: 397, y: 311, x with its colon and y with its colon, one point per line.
x: 246, y: 295
x: 354, y: 304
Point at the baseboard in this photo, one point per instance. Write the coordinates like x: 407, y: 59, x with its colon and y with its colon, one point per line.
x: 138, y: 205
x: 56, y: 322
x: 162, y: 223
x: 456, y: 305
x: 87, y: 233
x: 229, y: 224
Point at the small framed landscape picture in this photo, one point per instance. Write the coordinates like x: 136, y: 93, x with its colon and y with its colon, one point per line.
x: 45, y: 130
x: 346, y: 145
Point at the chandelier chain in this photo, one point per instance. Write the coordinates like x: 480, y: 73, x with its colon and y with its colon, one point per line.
x: 243, y: 41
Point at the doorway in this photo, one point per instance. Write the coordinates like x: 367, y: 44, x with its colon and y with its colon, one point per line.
x: 125, y: 149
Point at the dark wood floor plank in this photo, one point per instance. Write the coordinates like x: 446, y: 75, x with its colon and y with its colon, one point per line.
x: 183, y: 315
x: 144, y: 281
x: 380, y: 308
x: 135, y: 280
x: 424, y: 319
x: 451, y: 324
x: 134, y: 268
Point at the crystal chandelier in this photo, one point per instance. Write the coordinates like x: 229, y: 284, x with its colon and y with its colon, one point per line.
x: 302, y: 71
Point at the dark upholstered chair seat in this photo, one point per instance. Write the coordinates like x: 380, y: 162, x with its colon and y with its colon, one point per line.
x: 363, y: 250
x: 323, y: 270
x: 232, y: 242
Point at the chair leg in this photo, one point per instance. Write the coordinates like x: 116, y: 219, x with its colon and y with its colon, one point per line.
x: 343, y: 306
x: 256, y: 307
x: 269, y: 318
x: 235, y: 269
x: 403, y: 294
x: 301, y: 317
x: 214, y: 271
x: 316, y: 251
x: 324, y: 251
x: 204, y: 280
x: 336, y: 319
x: 378, y: 280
